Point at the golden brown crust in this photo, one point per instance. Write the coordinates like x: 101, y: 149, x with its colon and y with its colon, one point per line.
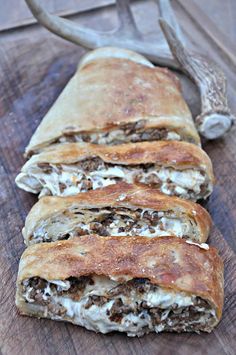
x: 179, y: 155
x: 119, y: 195
x: 169, y: 262
x: 108, y: 92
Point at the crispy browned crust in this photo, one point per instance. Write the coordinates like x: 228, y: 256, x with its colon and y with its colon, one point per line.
x: 119, y: 195
x: 107, y: 92
x: 179, y: 155
x: 168, y: 262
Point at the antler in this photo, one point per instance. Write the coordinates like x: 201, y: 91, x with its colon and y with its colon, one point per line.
x: 215, y: 119
x: 168, y: 14
x: 125, y: 36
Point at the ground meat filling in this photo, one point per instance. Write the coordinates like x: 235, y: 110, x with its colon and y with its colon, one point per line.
x: 131, y: 132
x: 90, y: 174
x: 118, y: 221
x: 135, y: 306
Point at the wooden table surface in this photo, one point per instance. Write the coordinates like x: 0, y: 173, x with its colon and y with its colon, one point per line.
x: 35, y: 66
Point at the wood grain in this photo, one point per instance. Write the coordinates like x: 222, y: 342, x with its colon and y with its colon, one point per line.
x: 220, y: 39
x: 35, y: 66
x: 20, y: 15
x: 222, y: 13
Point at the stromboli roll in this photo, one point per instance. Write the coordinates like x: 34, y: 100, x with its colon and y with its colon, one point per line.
x: 117, y: 96
x: 176, y: 168
x: 120, y: 210
x: 132, y: 285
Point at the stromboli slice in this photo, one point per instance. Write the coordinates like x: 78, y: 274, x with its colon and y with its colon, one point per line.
x: 117, y: 97
x: 176, y: 168
x: 132, y: 285
x: 120, y: 209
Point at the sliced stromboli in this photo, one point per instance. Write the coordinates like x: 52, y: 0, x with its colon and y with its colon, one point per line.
x: 134, y: 285
x: 119, y: 210
x: 117, y: 99
x: 176, y: 168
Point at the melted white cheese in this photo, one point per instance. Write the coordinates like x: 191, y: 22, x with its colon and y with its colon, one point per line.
x: 114, y: 136
x: 188, y: 179
x: 115, y: 171
x: 200, y: 245
x: 166, y: 224
x: 173, y: 136
x: 99, y: 182
x: 62, y: 285
x: 164, y: 299
x: 186, y: 184
x: 177, y: 226
x: 28, y: 182
x: 27, y: 295
x: 97, y: 318
x: 94, y: 318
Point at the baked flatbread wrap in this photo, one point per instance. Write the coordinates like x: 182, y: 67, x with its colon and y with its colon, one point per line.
x: 127, y: 284
x: 117, y: 98
x: 175, y: 168
x: 120, y: 210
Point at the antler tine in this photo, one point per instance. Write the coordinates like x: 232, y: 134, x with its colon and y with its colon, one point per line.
x: 127, y: 22
x: 215, y: 118
x: 126, y: 36
x: 67, y: 29
x: 167, y: 13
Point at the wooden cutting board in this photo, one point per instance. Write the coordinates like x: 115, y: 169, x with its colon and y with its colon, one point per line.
x: 35, y: 66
